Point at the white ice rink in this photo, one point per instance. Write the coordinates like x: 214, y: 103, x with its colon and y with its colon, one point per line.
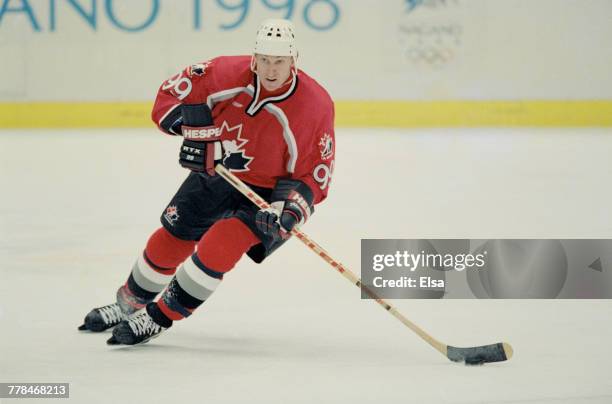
x: 77, y: 207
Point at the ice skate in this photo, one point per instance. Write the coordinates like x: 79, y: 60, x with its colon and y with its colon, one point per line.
x: 103, y: 318
x: 137, y: 329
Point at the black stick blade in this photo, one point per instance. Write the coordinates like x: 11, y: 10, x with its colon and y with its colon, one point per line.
x: 479, y: 355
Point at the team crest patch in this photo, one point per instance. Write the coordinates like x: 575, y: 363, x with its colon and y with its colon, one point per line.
x: 326, y: 145
x: 198, y: 69
x: 171, y: 215
x: 235, y: 158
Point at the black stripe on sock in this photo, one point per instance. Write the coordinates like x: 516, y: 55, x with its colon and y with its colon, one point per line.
x: 139, y: 291
x: 182, y: 296
x: 205, y: 269
x: 158, y: 316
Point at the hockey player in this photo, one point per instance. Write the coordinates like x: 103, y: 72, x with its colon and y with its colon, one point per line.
x: 269, y: 123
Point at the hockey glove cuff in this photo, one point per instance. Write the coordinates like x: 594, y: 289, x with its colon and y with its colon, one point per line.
x: 291, y: 206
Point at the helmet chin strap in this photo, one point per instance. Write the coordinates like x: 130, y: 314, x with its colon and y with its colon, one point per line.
x: 293, y: 74
x: 294, y: 59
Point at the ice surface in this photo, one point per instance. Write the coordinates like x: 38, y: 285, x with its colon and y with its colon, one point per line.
x: 77, y: 207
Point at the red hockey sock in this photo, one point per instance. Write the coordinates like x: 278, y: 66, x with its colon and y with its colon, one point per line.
x: 153, y: 269
x: 218, y: 251
x: 165, y: 252
x: 224, y: 244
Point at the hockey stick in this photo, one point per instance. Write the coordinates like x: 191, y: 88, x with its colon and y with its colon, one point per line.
x: 470, y: 356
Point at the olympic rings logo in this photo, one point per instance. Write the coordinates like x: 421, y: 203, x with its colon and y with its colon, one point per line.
x: 430, y: 55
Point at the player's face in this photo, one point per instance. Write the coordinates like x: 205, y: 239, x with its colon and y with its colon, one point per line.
x: 273, y: 71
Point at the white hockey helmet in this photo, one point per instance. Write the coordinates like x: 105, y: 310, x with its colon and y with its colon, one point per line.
x: 276, y: 37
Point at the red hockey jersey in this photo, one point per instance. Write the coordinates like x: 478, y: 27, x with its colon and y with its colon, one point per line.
x: 288, y: 135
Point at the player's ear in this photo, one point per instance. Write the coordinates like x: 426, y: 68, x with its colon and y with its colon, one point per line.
x: 253, y: 63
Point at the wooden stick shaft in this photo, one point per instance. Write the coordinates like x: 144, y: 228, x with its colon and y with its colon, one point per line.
x: 320, y: 251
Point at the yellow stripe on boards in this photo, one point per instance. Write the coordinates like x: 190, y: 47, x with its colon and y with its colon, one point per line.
x: 76, y: 115
x: 411, y: 114
x: 398, y: 114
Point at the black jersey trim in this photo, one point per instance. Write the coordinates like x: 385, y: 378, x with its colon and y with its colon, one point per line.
x: 268, y: 100
x: 173, y: 120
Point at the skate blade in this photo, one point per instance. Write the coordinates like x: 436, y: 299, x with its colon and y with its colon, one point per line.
x: 112, y: 341
x: 94, y: 331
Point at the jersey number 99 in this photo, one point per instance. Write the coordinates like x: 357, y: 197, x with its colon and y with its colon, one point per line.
x: 179, y: 86
x: 322, y: 174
